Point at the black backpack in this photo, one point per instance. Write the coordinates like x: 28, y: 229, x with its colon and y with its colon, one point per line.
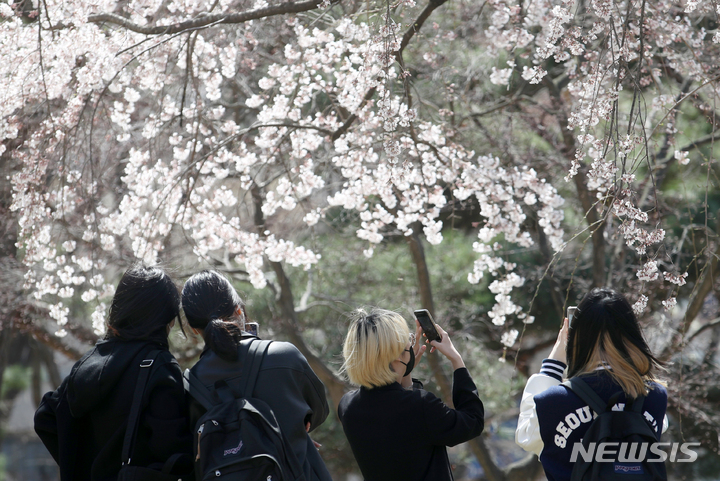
x: 628, y: 426
x: 239, y: 438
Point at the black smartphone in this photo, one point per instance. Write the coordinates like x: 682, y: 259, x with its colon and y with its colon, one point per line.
x: 251, y: 327
x: 428, y: 325
x: 570, y: 314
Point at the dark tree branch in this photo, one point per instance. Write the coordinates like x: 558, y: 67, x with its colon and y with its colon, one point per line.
x: 50, y: 340
x: 555, y: 290
x: 715, y: 322
x: 205, y: 20
x: 522, y: 357
x: 702, y: 288
x: 664, y: 164
x: 416, y: 26
x: 350, y: 120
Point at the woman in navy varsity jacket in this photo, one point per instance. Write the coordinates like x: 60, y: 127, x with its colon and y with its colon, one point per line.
x: 604, y: 345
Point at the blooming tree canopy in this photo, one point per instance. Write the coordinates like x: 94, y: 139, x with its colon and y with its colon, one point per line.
x: 227, y: 130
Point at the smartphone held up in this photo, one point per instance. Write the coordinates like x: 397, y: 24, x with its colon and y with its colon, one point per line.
x: 428, y: 325
x: 570, y: 314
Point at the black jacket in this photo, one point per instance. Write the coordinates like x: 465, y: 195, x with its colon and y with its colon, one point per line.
x: 287, y: 383
x: 83, y: 422
x: 400, y: 435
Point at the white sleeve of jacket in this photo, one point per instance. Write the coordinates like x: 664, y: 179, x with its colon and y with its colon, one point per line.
x: 527, y: 434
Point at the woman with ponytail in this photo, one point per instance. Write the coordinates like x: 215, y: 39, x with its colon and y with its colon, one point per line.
x: 605, y: 348
x: 286, y: 382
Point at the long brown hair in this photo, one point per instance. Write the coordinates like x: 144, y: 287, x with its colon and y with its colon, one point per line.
x: 605, y: 332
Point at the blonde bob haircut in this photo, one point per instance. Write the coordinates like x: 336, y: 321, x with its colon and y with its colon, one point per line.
x: 373, y: 341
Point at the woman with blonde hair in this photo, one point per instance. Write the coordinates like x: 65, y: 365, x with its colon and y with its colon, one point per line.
x: 396, y: 429
x: 605, y: 349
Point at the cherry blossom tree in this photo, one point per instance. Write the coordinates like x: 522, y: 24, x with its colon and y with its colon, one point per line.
x: 224, y: 133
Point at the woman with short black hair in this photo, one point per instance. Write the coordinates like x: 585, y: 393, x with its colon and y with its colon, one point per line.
x: 604, y: 346
x: 83, y: 422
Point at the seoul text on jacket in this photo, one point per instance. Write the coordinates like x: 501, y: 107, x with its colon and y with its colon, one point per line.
x: 553, y: 418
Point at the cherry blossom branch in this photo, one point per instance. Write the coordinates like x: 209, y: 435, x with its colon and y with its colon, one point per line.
x: 409, y: 34
x: 586, y: 201
x: 233, y: 18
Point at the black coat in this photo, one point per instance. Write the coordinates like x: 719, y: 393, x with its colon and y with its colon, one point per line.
x: 287, y: 383
x: 400, y: 435
x: 83, y: 422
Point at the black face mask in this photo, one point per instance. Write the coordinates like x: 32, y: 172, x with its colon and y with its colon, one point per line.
x: 411, y: 364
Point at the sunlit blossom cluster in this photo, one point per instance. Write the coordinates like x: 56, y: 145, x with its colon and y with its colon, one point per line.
x: 596, y: 59
x: 228, y: 165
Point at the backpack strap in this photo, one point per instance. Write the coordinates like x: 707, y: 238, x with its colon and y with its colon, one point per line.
x: 134, y: 417
x: 251, y: 354
x: 256, y: 351
x: 586, y: 393
x: 637, y: 404
x: 197, y: 389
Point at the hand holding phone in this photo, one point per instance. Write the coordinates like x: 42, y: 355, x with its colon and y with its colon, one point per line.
x: 447, y: 349
x: 559, y: 349
x: 428, y: 325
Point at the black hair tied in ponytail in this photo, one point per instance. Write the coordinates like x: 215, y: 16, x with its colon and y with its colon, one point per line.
x: 223, y: 337
x: 211, y: 303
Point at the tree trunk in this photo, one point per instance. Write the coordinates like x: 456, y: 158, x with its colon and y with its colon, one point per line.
x: 702, y: 288
x: 524, y: 469
x: 335, y: 386
x: 333, y: 383
x: 595, y: 223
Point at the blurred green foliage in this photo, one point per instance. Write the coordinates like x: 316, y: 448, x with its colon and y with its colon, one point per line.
x: 15, y: 379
